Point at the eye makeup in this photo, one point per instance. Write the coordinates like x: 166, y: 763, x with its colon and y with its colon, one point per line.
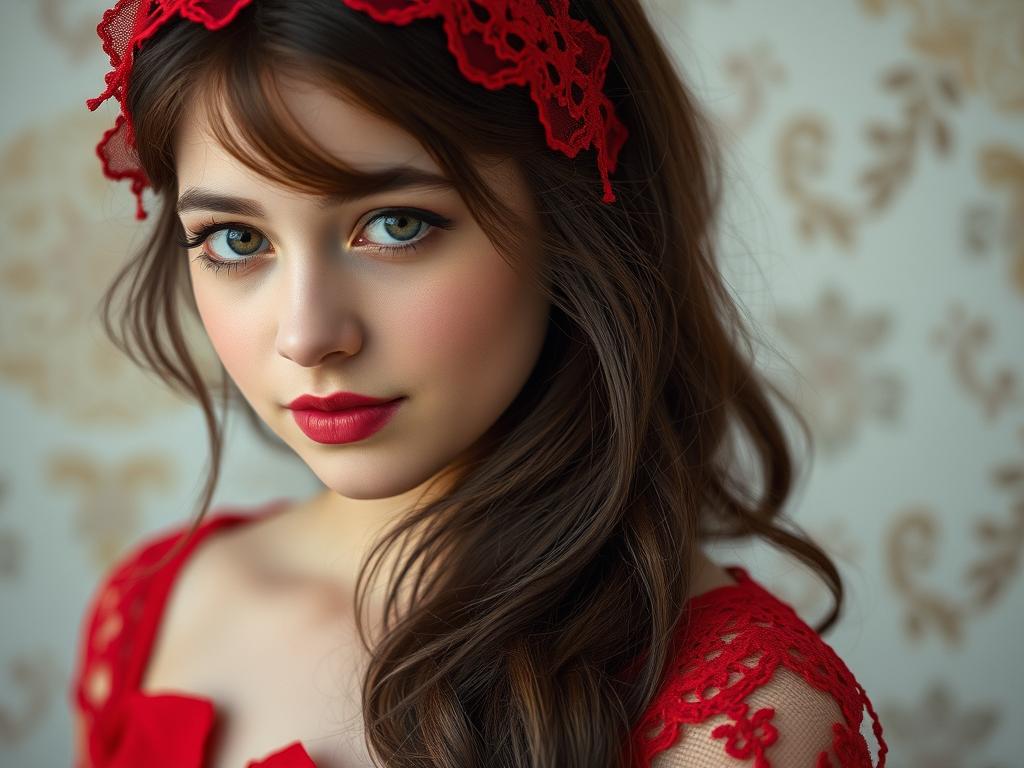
x: 211, y: 259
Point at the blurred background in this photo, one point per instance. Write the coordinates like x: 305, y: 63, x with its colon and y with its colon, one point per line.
x: 873, y: 230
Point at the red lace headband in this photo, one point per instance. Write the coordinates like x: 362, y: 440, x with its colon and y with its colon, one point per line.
x: 550, y: 40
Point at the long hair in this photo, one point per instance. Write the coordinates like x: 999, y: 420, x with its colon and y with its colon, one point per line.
x: 567, y: 538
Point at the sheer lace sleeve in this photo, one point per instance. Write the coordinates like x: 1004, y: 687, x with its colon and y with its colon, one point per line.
x: 753, y: 686
x: 784, y: 723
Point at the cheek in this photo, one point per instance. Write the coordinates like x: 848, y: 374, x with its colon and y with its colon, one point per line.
x: 476, y: 328
x: 229, y: 334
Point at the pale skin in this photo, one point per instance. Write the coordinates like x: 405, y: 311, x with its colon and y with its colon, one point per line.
x: 450, y: 325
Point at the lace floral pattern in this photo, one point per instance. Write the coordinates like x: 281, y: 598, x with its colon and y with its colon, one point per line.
x: 736, y: 640
x: 126, y: 727
x: 739, y: 641
x: 748, y: 737
x: 561, y: 60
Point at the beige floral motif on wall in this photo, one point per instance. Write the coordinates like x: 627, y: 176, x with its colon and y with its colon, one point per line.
x: 751, y: 73
x: 802, y: 156
x: 11, y: 551
x: 11, y: 545
x: 1001, y: 167
x: 109, y: 498
x: 32, y: 681
x: 965, y: 338
x: 924, y: 98
x: 939, y: 731
x: 982, y: 40
x: 804, y: 146
x: 979, y: 226
x: 58, y: 255
x: 75, y: 32
x: 833, y: 345
x: 911, y: 549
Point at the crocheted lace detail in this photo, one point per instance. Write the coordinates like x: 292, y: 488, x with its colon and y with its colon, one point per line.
x: 535, y: 43
x: 123, y: 29
x: 117, y: 625
x: 733, y: 645
x: 739, y: 651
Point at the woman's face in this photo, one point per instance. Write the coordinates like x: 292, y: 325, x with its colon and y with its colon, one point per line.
x: 319, y: 308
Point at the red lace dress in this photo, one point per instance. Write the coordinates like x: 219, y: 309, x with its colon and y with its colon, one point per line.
x: 754, y: 685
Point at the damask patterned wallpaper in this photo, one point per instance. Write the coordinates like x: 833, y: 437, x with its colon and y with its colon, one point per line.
x: 874, y: 231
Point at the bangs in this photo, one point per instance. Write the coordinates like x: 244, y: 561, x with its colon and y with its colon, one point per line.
x: 250, y: 120
x: 404, y: 75
x: 241, y: 98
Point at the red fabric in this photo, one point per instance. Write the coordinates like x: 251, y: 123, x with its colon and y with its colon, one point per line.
x: 572, y: 106
x: 127, y: 728
x: 727, y: 628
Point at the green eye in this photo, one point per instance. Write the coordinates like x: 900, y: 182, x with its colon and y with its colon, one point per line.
x: 242, y: 241
x: 404, y: 227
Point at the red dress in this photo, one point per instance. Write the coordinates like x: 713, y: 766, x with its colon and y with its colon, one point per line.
x: 756, y: 653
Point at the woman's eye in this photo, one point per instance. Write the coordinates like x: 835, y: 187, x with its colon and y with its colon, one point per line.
x: 239, y: 247
x: 233, y: 245
x: 234, y: 242
x: 398, y: 230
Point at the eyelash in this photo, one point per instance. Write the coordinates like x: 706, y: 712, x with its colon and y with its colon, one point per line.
x: 207, y: 229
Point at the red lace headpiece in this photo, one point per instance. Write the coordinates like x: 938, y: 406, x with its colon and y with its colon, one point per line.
x: 550, y: 39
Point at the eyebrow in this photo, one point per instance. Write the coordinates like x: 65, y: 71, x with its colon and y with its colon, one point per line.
x: 386, y: 180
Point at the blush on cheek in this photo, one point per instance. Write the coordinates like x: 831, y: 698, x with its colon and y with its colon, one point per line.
x: 468, y: 317
x: 229, y: 338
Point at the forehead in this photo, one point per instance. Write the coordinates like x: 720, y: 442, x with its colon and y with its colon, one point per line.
x: 346, y: 130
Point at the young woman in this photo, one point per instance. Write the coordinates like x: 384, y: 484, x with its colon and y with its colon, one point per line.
x: 457, y: 256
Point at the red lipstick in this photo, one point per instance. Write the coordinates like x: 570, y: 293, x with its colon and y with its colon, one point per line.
x: 342, y: 417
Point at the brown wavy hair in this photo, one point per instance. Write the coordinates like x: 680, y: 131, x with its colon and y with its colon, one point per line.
x: 566, y: 538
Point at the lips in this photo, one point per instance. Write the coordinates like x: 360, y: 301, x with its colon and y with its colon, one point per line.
x: 335, y: 402
x: 342, y: 425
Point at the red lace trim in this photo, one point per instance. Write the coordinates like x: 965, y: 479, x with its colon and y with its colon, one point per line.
x: 562, y: 60
x: 766, y: 634
x: 734, y: 641
x: 120, y: 627
x: 123, y: 29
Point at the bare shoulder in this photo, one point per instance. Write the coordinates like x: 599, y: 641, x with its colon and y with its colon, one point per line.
x: 221, y: 562
x: 217, y: 573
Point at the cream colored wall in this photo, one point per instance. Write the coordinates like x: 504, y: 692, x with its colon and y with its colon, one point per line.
x: 874, y: 231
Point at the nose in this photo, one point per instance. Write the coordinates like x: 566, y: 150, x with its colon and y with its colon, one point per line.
x: 317, y: 315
